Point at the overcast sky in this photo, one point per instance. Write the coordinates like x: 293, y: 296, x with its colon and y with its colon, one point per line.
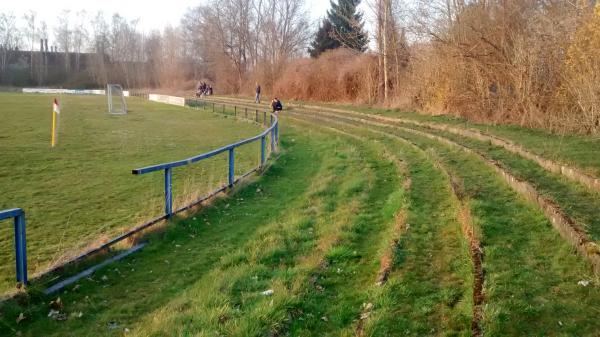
x: 151, y: 16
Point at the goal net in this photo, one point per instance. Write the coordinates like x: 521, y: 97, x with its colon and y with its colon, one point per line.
x: 116, y: 99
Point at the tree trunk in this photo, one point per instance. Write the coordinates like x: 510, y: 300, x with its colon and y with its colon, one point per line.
x: 380, y: 48
x: 386, y: 47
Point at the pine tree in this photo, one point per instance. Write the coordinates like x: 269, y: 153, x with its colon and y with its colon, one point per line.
x: 343, y: 27
x: 323, y: 40
x: 348, y: 24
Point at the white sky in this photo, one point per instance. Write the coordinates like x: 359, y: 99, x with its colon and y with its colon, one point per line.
x: 150, y: 16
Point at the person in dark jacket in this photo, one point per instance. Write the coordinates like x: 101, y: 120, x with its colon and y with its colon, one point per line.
x: 276, y: 105
x: 258, y: 89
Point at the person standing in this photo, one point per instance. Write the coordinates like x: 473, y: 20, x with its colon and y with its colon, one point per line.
x: 258, y: 89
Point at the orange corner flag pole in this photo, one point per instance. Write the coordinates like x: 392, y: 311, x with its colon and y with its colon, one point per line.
x: 55, y: 114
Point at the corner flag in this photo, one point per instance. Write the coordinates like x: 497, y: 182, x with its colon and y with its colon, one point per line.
x: 55, y: 114
x: 56, y: 106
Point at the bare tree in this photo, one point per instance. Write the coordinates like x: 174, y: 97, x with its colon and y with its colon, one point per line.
x: 10, y: 39
x: 42, y: 62
x: 31, y: 34
x: 64, y: 37
x: 100, y: 47
x: 241, y: 39
x: 79, y: 37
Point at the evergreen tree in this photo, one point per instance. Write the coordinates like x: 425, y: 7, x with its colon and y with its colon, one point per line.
x: 343, y: 27
x: 323, y: 40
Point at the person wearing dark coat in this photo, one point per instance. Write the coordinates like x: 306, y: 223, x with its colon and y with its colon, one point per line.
x: 276, y: 105
x: 257, y: 98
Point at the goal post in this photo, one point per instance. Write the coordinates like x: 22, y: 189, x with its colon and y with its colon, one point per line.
x: 116, y: 99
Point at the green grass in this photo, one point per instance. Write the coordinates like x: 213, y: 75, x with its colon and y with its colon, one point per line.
x: 430, y: 284
x: 83, y: 191
x: 340, y: 285
x: 575, y: 150
x: 315, y: 229
x: 577, y: 201
x: 204, y: 275
x: 531, y: 273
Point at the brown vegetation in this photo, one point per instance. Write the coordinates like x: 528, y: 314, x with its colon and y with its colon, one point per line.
x: 531, y: 63
x: 528, y: 62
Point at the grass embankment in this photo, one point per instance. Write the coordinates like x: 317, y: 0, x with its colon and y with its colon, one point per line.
x: 205, y: 275
x: 531, y: 273
x: 577, y: 201
x: 83, y: 191
x: 579, y: 151
x: 316, y: 231
x: 575, y: 150
x: 429, y: 289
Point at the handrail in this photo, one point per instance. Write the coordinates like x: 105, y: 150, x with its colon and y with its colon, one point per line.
x: 206, y: 155
x: 273, y: 130
x: 19, y: 215
x: 20, y: 241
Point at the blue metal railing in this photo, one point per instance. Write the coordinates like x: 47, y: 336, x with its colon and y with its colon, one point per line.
x: 19, y: 215
x: 20, y: 241
x: 273, y: 130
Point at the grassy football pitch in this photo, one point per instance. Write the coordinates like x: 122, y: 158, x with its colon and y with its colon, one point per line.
x: 82, y: 191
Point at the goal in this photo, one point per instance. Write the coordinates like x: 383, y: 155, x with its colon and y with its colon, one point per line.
x: 116, y: 99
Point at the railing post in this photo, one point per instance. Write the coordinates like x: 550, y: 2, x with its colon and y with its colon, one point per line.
x: 231, y: 167
x: 168, y: 192
x: 262, y: 150
x: 21, y: 249
x: 273, y: 149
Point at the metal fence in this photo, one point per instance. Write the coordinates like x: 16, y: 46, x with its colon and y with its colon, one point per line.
x: 271, y: 134
x: 18, y: 216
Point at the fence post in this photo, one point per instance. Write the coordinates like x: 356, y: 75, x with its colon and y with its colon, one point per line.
x: 168, y: 192
x: 262, y: 150
x: 21, y: 248
x: 235, y: 111
x: 273, y: 149
x: 231, y: 167
x: 223, y: 109
x: 264, y: 118
x: 213, y: 107
x: 256, y: 117
x: 246, y: 112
